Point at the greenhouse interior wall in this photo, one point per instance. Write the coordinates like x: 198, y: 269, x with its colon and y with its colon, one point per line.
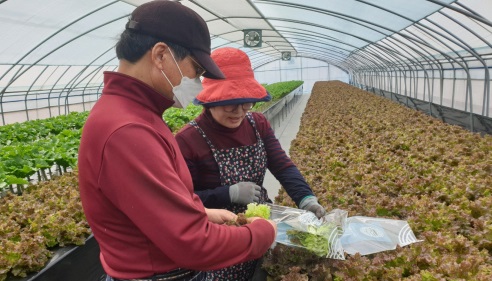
x: 304, y: 69
x: 456, y: 96
x: 46, y: 91
x: 39, y: 107
x: 449, y: 92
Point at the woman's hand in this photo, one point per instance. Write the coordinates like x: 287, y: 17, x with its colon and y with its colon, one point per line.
x: 220, y: 216
x: 310, y: 203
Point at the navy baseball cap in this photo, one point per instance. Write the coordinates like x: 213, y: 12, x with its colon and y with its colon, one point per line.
x: 173, y: 22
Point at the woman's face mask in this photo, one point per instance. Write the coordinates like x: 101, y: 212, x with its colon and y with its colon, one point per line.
x: 187, y: 90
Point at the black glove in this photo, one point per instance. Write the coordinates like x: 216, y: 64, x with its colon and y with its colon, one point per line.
x: 310, y: 203
x: 244, y: 193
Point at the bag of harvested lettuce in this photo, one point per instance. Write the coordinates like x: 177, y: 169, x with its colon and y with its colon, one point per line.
x: 300, y: 228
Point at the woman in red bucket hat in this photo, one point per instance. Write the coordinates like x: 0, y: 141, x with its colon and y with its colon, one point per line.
x: 228, y: 149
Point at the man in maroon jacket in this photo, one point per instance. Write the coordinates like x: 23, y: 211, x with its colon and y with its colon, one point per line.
x: 135, y: 186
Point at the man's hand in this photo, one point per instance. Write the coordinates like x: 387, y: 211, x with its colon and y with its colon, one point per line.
x: 220, y: 216
x: 274, y: 224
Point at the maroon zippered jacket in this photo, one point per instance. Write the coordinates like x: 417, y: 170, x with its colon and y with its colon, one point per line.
x: 137, y: 192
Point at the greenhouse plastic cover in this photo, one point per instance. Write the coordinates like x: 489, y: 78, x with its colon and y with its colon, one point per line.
x: 347, y: 235
x: 59, y: 32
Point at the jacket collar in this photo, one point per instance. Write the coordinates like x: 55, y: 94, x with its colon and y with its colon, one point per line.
x: 120, y: 84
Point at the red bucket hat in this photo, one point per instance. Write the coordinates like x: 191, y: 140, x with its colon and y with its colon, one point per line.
x: 239, y: 86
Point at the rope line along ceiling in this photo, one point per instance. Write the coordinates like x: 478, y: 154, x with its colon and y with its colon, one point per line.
x: 58, y: 48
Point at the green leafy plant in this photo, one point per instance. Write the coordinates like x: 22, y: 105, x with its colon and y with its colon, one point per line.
x: 372, y: 157
x: 176, y: 118
x: 46, y: 215
x: 257, y: 210
x: 315, y: 239
x: 277, y: 91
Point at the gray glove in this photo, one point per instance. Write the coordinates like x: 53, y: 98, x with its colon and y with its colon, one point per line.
x: 310, y: 203
x: 244, y: 193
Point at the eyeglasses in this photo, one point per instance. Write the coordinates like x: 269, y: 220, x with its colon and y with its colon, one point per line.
x: 199, y: 70
x: 233, y: 107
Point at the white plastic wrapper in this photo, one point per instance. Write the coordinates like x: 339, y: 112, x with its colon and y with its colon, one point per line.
x: 335, y: 235
x: 366, y: 235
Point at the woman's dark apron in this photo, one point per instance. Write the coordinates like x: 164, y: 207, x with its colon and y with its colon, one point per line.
x: 239, y: 164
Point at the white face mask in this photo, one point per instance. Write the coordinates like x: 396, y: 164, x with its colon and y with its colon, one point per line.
x: 186, y: 91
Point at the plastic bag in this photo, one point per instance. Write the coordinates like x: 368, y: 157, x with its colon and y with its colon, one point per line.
x: 335, y: 235
x: 300, y: 228
x: 366, y: 235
